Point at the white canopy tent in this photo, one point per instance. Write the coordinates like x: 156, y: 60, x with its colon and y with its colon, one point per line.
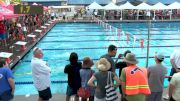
x: 111, y: 6
x: 159, y: 6
x: 143, y: 6
x: 95, y: 5
x: 175, y: 5
x: 127, y: 5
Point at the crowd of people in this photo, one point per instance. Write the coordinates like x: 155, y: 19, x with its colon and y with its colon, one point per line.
x: 135, y: 83
x: 19, y: 28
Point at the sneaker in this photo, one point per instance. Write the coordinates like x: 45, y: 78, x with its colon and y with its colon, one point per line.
x: 166, y: 97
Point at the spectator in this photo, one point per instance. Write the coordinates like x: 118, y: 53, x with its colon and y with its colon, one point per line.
x: 134, y: 80
x: 112, y: 50
x: 175, y: 62
x: 6, y: 82
x: 86, y: 74
x: 101, y: 77
x: 74, y: 79
x: 3, y: 34
x: 120, y: 65
x: 41, y: 75
x: 156, y: 74
x: 174, y: 87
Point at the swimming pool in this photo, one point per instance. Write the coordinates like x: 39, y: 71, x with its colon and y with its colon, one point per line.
x: 91, y: 39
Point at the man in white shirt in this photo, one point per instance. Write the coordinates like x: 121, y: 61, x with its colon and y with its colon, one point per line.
x: 175, y: 62
x: 41, y: 75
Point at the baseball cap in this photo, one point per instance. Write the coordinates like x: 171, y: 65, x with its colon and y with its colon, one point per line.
x: 160, y: 56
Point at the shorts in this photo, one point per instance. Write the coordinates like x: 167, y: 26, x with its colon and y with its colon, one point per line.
x: 154, y: 96
x: 70, y: 91
x: 3, y: 36
x: 6, y: 96
x: 45, y: 94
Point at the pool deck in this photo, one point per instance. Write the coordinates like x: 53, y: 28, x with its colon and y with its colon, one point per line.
x: 57, y: 97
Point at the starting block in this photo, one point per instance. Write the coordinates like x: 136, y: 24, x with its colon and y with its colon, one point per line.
x: 33, y: 37
x: 39, y: 32
x: 22, y: 44
x: 6, y: 56
x: 44, y: 27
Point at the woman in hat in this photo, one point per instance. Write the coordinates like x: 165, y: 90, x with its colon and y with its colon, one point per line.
x: 86, y: 72
x: 101, y: 77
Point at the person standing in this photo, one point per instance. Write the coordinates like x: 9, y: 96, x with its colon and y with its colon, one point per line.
x: 3, y: 34
x: 156, y: 74
x: 174, y: 87
x: 74, y: 79
x: 7, y: 85
x: 112, y: 50
x: 120, y: 65
x: 86, y: 72
x: 134, y: 80
x: 101, y: 77
x: 41, y: 75
x: 175, y: 62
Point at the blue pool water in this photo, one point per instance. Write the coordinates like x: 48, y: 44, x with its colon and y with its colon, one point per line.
x: 91, y: 39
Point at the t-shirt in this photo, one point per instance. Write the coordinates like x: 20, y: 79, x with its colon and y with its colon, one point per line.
x: 86, y: 74
x: 73, y: 71
x: 120, y: 66
x: 157, y: 73
x: 176, y: 82
x: 101, y: 78
x: 112, y: 69
x: 5, y: 74
x: 138, y: 97
x: 176, y: 56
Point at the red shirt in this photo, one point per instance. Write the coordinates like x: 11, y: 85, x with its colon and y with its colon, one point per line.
x: 2, y: 28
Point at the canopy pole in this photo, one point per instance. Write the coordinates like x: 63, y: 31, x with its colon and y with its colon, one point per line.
x: 121, y: 15
x: 154, y: 15
x: 148, y: 41
x: 171, y: 14
x: 138, y: 15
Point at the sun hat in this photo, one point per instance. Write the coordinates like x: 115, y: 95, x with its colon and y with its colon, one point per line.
x: 131, y: 58
x: 103, y: 64
x: 87, y: 62
x: 160, y: 56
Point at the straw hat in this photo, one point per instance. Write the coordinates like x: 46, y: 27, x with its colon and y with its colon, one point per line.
x: 103, y: 64
x: 87, y: 62
x: 131, y: 58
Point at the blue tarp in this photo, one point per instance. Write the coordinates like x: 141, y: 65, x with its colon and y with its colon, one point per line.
x: 87, y: 2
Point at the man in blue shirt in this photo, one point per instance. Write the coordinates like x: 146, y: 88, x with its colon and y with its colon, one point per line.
x: 6, y: 82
